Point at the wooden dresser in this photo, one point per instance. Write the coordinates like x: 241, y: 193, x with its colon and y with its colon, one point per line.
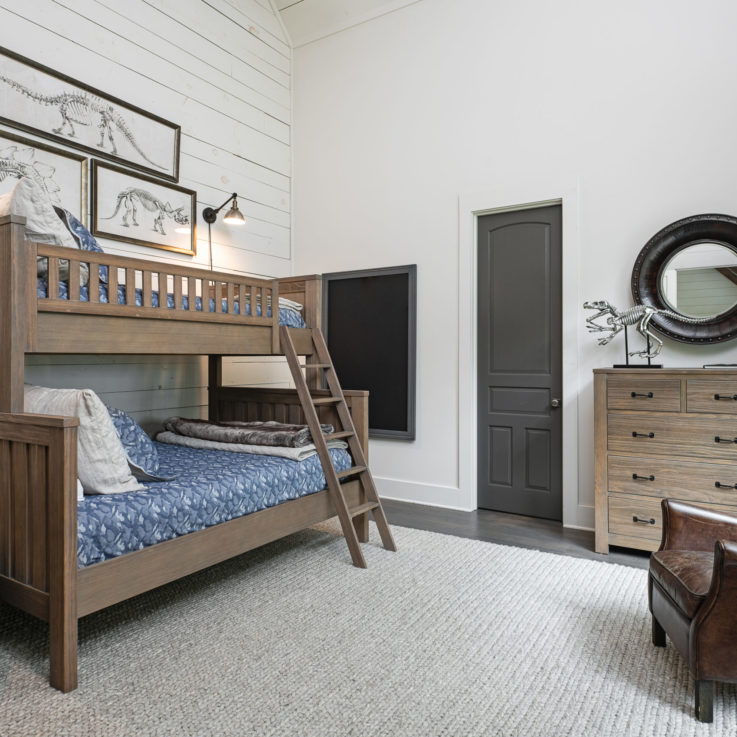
x: 661, y: 433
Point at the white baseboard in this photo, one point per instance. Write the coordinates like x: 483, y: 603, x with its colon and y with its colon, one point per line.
x: 417, y: 492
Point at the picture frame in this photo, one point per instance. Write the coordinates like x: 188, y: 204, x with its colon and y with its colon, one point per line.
x: 143, y: 210
x: 37, y: 99
x: 380, y: 305
x: 62, y: 174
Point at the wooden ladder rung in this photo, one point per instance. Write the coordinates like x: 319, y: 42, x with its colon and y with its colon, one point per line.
x: 314, y: 365
x: 352, y: 471
x: 340, y: 434
x: 361, y: 508
x: 326, y: 400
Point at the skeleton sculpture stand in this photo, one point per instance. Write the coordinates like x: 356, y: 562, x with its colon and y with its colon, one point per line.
x: 640, y: 316
x: 627, y: 355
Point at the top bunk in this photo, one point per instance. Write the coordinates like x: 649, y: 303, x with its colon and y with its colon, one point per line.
x: 64, y: 300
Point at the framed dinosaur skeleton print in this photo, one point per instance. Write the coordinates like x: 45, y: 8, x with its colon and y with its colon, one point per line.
x: 40, y: 100
x: 61, y: 174
x: 139, y: 209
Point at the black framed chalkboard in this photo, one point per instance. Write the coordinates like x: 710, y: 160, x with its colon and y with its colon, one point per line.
x: 370, y: 322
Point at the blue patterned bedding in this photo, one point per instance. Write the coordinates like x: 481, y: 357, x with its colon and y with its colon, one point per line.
x: 211, y: 486
x: 290, y: 318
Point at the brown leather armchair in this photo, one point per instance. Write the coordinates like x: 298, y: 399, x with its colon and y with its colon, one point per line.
x: 692, y: 589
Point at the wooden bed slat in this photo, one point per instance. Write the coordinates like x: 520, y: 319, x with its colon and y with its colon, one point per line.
x: 177, y: 292
x: 130, y: 286
x: 5, y: 516
x: 19, y: 511
x: 74, y: 280
x: 37, y: 506
x: 163, y: 290
x: 112, y: 285
x: 93, y: 287
x: 231, y: 298
x: 52, y: 282
x: 192, y: 294
x: 147, y: 289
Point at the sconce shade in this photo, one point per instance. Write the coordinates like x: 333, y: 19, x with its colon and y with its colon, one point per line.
x: 234, y: 216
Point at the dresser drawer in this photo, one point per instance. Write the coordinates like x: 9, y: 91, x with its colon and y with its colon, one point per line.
x: 712, y: 395
x: 662, y: 477
x: 641, y: 517
x: 635, y: 517
x: 655, y: 395
x: 685, y: 436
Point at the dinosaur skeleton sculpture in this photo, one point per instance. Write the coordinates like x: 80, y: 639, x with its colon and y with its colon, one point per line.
x: 84, y: 109
x: 19, y: 164
x: 133, y: 197
x: 640, y: 315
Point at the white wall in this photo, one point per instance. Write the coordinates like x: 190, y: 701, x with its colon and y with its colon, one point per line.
x: 627, y: 107
x: 222, y: 70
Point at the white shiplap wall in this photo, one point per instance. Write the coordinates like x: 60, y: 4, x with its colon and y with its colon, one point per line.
x: 222, y: 70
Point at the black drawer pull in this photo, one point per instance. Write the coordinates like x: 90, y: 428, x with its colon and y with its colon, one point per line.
x: 650, y: 435
x: 724, y: 486
x: 733, y: 397
x: 645, y: 478
x: 650, y: 521
x: 717, y: 439
x: 649, y: 395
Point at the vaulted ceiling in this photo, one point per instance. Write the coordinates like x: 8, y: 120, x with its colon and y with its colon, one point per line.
x: 308, y: 20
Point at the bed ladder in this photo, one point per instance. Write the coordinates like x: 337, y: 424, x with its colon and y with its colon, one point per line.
x: 361, y: 471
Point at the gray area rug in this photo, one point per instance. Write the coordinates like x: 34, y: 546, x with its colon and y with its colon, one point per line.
x: 446, y: 637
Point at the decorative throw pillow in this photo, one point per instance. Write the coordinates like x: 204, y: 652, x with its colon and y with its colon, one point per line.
x: 138, y: 446
x: 101, y: 463
x: 84, y: 239
x: 31, y: 201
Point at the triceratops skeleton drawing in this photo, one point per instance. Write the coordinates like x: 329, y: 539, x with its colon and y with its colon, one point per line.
x: 133, y: 197
x: 640, y: 315
x: 19, y: 164
x: 81, y: 108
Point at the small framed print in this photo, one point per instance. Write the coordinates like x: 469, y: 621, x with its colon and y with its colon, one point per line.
x: 40, y: 100
x: 142, y: 210
x: 61, y: 174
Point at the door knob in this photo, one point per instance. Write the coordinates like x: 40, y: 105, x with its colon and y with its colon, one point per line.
x: 555, y: 403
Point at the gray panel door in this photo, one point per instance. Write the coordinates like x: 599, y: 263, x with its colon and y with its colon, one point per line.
x: 519, y: 362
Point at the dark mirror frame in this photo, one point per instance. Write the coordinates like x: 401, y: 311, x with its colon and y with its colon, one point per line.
x: 721, y: 229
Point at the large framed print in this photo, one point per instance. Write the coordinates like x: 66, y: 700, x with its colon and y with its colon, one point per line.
x: 40, y: 100
x: 61, y: 174
x: 138, y: 209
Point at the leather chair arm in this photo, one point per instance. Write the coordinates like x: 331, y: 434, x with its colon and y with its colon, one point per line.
x: 686, y: 527
x: 712, y: 643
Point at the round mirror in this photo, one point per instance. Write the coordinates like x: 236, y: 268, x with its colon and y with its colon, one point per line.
x: 690, y: 268
x: 700, y: 280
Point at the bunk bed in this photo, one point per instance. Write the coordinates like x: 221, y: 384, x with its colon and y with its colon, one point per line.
x: 160, y: 309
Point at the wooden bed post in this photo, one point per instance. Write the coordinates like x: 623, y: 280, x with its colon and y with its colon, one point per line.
x: 214, y: 382
x: 62, y: 558
x: 14, y: 311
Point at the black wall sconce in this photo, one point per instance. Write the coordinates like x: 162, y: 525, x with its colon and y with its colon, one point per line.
x: 233, y: 217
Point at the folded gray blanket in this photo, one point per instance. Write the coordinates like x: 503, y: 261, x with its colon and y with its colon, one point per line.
x: 244, y: 433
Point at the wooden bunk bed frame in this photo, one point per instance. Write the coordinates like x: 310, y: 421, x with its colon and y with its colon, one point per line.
x: 38, y: 454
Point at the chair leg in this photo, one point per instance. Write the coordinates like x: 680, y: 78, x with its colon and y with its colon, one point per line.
x: 705, y: 701
x: 658, y: 634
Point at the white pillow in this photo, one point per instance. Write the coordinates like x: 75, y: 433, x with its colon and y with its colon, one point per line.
x: 43, y: 225
x: 102, y: 466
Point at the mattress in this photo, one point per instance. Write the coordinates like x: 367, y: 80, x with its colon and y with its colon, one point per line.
x: 290, y: 318
x: 211, y: 486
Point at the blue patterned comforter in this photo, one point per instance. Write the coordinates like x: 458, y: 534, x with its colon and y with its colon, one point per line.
x: 212, y: 486
x: 290, y: 318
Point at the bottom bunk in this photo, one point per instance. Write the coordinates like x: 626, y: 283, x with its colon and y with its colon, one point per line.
x: 61, y: 559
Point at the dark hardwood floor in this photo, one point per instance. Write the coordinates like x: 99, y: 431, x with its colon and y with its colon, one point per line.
x: 509, y: 529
